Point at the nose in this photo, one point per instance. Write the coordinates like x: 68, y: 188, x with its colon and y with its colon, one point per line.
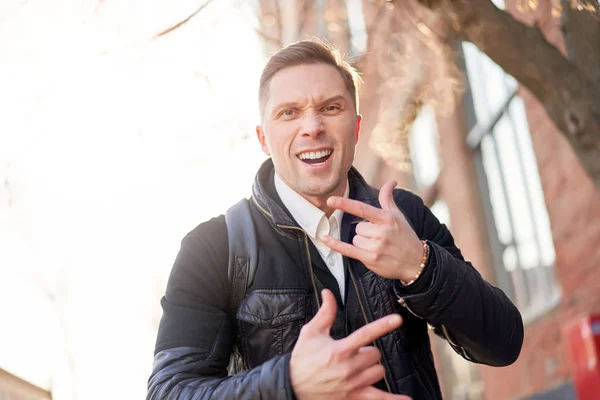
x: 312, y: 125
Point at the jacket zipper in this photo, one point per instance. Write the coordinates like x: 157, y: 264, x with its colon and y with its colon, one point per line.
x: 312, y: 277
x: 362, y: 308
x: 405, y: 305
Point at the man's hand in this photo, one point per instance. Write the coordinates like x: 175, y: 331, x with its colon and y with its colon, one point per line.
x: 385, y: 242
x: 323, y: 368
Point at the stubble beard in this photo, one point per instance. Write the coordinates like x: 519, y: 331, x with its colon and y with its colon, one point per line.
x: 321, y: 188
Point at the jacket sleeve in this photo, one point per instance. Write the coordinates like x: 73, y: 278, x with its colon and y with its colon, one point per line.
x: 196, y: 335
x: 477, y: 319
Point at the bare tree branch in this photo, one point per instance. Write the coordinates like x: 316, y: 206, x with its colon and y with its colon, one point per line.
x: 571, y: 99
x: 179, y: 24
x: 581, y: 31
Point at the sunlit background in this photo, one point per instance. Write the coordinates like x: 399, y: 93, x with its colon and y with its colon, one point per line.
x: 113, y: 145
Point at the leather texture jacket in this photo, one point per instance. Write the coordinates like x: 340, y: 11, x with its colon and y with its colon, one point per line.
x: 197, y: 332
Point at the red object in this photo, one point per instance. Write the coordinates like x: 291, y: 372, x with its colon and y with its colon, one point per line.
x: 583, y: 340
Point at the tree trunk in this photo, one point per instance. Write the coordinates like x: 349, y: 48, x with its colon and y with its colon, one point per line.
x: 270, y: 26
x: 571, y: 98
x: 581, y: 31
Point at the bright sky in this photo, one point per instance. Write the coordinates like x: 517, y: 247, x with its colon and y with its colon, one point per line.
x: 112, y: 147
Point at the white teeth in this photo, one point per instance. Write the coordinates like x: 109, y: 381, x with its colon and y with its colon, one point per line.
x: 313, y: 155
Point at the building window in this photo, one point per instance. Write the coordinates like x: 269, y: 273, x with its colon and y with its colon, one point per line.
x: 520, y: 229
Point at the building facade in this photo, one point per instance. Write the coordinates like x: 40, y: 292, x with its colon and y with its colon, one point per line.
x: 504, y: 179
x: 525, y: 214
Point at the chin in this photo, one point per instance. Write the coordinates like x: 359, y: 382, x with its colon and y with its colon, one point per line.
x: 318, y: 189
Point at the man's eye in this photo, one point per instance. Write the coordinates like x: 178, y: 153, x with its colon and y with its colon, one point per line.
x: 287, y: 113
x: 332, y: 108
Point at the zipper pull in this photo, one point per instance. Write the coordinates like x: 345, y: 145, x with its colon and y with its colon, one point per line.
x: 403, y: 303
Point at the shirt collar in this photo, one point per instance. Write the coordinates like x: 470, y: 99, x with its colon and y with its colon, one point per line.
x: 304, y: 212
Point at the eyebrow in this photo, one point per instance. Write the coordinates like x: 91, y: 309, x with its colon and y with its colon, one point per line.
x: 294, y: 104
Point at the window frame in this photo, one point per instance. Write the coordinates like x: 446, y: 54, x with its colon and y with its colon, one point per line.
x: 478, y: 131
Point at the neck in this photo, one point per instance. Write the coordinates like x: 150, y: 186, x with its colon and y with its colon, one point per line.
x: 321, y: 201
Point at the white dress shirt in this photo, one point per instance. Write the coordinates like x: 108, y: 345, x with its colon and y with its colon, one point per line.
x: 316, y: 224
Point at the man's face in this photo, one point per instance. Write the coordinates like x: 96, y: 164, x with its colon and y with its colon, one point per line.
x: 310, y: 129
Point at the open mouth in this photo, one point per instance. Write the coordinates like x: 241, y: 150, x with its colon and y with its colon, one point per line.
x: 315, y: 157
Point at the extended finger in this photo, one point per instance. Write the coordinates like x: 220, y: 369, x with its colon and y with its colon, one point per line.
x: 367, y: 376
x: 365, y: 357
x: 322, y: 321
x: 370, y: 245
x: 358, y: 208
x: 372, y: 393
x: 368, y: 333
x: 347, y: 249
x: 368, y: 229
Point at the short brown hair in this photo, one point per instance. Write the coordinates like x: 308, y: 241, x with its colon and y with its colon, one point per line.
x: 310, y: 51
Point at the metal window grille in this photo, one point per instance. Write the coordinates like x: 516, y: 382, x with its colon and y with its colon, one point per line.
x: 519, y: 227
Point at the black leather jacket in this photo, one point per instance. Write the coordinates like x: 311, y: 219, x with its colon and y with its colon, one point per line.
x: 197, y: 334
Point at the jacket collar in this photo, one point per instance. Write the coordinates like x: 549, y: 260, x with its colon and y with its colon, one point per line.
x: 265, y: 197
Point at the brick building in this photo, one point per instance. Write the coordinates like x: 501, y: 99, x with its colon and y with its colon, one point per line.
x: 569, y: 284
x: 509, y: 186
x: 521, y: 208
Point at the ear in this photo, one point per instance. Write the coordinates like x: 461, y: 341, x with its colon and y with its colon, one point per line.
x: 357, y: 133
x: 260, y: 134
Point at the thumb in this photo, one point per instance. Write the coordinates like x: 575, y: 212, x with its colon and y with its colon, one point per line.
x: 323, y: 320
x: 386, y: 196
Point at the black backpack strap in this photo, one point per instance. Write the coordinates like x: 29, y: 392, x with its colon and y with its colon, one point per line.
x: 243, y: 252
x: 243, y: 260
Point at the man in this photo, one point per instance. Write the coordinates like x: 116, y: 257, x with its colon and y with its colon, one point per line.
x: 338, y: 264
